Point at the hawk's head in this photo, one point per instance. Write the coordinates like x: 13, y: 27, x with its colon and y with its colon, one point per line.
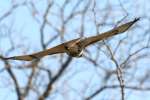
x: 74, y: 50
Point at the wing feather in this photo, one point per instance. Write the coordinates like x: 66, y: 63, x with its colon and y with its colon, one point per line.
x: 57, y: 49
x: 115, y: 31
x: 38, y: 55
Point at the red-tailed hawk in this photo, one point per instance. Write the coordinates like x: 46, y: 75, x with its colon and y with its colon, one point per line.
x: 75, y: 47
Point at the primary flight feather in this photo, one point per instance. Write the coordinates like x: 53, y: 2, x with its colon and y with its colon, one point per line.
x: 75, y: 47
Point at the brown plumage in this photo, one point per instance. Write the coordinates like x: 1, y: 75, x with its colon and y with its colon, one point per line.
x: 75, y: 47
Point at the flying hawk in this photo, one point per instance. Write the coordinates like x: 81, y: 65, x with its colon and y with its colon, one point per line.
x: 75, y: 47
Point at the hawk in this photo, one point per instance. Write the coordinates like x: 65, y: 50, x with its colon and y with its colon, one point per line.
x: 75, y: 47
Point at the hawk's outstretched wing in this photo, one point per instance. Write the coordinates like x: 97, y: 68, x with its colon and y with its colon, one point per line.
x: 57, y: 49
x: 38, y: 55
x: 120, y: 29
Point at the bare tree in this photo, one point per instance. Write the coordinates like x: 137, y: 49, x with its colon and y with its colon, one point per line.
x: 113, y: 69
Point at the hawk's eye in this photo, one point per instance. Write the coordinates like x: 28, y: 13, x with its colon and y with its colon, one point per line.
x: 66, y: 47
x: 79, y: 49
